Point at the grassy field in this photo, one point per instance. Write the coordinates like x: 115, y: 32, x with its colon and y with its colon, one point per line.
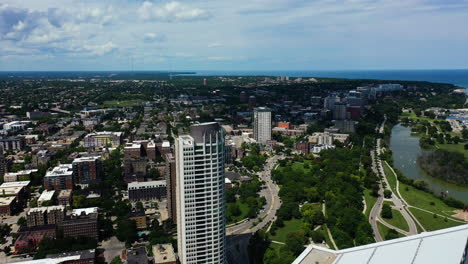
x: 390, y: 177
x: 430, y: 223
x: 125, y: 103
x: 397, y: 220
x: 370, y: 201
x: 383, y: 230
x: 460, y: 148
x: 424, y: 200
x: 244, y: 208
x: 290, y: 226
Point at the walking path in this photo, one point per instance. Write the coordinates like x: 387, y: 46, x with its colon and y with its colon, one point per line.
x: 328, y: 230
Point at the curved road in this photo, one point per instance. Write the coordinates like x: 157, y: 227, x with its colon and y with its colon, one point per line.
x: 399, y: 205
x: 238, y: 235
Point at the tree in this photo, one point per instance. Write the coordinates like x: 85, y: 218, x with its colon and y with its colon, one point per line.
x: 116, y: 260
x: 317, y: 236
x: 392, y: 234
x: 387, y: 194
x: 21, y: 221
x: 295, y: 242
x: 139, y: 206
x: 126, y: 231
x: 154, y: 174
x: 387, y: 211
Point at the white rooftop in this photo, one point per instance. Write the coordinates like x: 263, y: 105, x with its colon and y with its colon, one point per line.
x: 46, y: 195
x: 442, y: 246
x: 137, y: 185
x: 104, y: 133
x: 15, y: 184
x: 46, y: 208
x: 85, y: 159
x: 87, y: 211
x: 60, y: 170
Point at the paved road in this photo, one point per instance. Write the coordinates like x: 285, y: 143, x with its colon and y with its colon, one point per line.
x: 238, y: 236
x: 399, y: 205
x: 272, y: 199
x: 112, y: 248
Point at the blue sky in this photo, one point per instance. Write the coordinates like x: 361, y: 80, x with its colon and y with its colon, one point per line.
x: 233, y: 35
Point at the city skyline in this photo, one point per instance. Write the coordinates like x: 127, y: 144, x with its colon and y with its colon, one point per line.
x: 206, y: 35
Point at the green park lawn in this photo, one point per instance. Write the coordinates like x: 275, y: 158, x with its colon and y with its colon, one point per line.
x: 391, y: 178
x: 383, y: 230
x: 397, y: 220
x: 460, y: 148
x: 290, y: 226
x: 430, y: 223
x: 370, y: 201
x: 244, y: 208
x: 424, y: 200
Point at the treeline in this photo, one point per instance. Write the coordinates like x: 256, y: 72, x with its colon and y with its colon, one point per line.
x: 335, y: 178
x: 448, y: 166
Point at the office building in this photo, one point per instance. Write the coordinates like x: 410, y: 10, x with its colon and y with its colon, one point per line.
x: 146, y: 191
x: 103, y: 139
x: 82, y: 222
x: 201, y: 226
x: 252, y: 102
x: 340, y: 111
x: 329, y: 102
x: 262, y: 124
x: 48, y: 215
x: 59, y: 178
x: 87, y: 170
x: 13, y: 143
x: 171, y: 186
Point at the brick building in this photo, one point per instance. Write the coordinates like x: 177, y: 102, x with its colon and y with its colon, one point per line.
x: 82, y: 222
x: 59, y: 178
x: 87, y: 170
x: 30, y: 237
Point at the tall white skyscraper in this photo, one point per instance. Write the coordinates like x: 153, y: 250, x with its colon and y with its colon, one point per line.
x: 262, y: 124
x: 201, y: 224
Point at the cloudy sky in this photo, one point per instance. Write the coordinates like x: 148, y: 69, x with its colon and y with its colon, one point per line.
x: 233, y: 35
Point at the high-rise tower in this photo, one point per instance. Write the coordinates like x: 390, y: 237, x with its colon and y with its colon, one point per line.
x: 201, y: 226
x: 262, y: 124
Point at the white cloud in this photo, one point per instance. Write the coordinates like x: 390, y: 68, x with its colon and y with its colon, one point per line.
x: 171, y: 12
x: 100, y: 50
x: 215, y: 44
x: 153, y: 37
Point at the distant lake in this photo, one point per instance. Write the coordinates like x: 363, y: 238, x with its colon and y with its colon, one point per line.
x: 406, y: 151
x: 457, y: 77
